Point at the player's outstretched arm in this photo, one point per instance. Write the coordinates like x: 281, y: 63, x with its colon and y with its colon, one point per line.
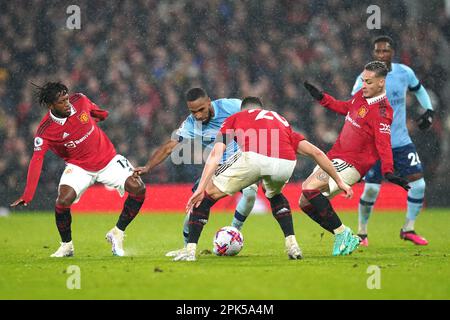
x: 34, y: 172
x: 158, y: 156
x: 313, y: 91
x: 310, y: 150
x: 326, y: 100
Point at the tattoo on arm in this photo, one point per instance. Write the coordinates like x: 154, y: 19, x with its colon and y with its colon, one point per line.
x: 322, y: 176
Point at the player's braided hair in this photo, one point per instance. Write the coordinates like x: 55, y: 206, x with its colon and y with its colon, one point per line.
x: 380, y: 68
x: 50, y: 92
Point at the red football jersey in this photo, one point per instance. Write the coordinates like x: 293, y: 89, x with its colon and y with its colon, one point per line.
x: 366, y: 135
x: 77, y: 139
x: 264, y: 132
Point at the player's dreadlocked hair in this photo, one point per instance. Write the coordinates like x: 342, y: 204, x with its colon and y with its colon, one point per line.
x: 380, y: 68
x: 251, y: 102
x: 50, y: 92
x: 384, y: 38
x: 195, y: 93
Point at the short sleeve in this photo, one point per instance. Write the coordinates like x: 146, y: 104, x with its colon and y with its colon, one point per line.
x: 186, y: 130
x: 296, y: 138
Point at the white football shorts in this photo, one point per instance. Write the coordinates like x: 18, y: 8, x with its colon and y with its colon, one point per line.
x: 113, y: 175
x: 348, y: 174
x: 247, y: 168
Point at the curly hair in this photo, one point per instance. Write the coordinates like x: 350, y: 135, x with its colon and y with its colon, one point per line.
x: 50, y: 92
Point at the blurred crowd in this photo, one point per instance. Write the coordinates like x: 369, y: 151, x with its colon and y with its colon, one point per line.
x: 136, y: 59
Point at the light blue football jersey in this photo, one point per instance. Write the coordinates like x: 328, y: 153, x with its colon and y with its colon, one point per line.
x: 206, y: 133
x: 398, y: 81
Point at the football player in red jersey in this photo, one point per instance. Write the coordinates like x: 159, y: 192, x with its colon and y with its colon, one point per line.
x: 70, y: 131
x: 269, y: 153
x: 364, y: 139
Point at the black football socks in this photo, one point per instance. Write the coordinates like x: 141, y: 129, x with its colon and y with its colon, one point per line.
x: 323, y: 213
x: 130, y: 209
x: 281, y: 211
x: 63, y: 222
x: 199, y: 217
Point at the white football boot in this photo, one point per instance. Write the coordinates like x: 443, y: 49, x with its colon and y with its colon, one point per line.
x: 64, y: 250
x: 187, y: 254
x: 174, y: 253
x: 115, y: 237
x: 293, y: 250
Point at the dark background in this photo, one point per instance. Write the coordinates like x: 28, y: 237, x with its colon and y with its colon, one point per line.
x: 137, y: 58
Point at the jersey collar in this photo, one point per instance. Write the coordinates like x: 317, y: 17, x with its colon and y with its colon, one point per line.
x: 62, y: 121
x: 376, y: 99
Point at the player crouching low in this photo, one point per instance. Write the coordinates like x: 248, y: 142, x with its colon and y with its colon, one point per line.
x: 70, y: 131
x: 364, y: 139
x: 269, y: 153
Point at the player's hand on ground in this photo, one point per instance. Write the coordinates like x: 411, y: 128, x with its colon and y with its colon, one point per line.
x: 313, y: 91
x: 425, y: 120
x: 348, y: 191
x: 18, y: 202
x: 397, y: 180
x: 140, y: 171
x: 195, y: 200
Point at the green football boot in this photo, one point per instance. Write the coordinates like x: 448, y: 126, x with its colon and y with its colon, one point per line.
x: 345, y: 242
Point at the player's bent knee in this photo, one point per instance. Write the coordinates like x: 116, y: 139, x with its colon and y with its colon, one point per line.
x: 418, y: 186
x: 314, y: 184
x: 252, y: 187
x: 135, y: 186
x: 371, y: 190
x: 249, y: 193
x: 305, y: 185
x: 66, y: 196
x: 141, y: 190
x: 214, y: 192
x: 65, y: 201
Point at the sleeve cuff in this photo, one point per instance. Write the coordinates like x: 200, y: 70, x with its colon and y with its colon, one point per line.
x: 415, y: 88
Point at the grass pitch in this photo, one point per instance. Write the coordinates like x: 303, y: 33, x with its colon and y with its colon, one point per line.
x: 261, y: 271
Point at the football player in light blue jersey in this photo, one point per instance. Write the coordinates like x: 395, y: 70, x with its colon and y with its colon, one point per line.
x: 204, y: 123
x: 202, y: 126
x: 399, y: 80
